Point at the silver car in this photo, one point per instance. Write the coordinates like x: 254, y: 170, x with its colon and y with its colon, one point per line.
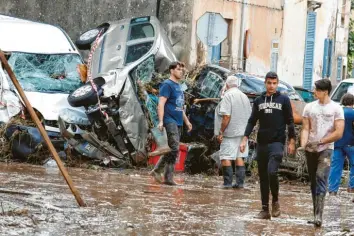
x: 124, y: 55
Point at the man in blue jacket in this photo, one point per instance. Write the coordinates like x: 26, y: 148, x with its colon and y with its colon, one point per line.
x: 273, y: 111
x: 343, y: 147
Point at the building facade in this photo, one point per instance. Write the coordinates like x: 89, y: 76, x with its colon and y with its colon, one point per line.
x: 301, y: 40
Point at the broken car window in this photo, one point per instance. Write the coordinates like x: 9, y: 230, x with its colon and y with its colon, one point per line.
x: 134, y: 52
x: 46, y: 73
x: 211, y: 85
x: 141, y: 31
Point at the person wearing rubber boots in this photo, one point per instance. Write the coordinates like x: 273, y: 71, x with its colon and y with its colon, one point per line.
x: 231, y: 116
x: 322, y: 125
x: 273, y: 112
x: 342, y: 148
x: 171, y: 116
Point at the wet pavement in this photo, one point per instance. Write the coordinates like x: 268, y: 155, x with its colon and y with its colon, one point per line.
x: 37, y: 201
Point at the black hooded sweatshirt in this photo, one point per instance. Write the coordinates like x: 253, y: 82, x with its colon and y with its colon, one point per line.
x: 274, y: 113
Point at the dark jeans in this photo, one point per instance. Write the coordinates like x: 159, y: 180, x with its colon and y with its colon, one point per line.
x: 269, y: 157
x: 173, y: 136
x: 318, y: 165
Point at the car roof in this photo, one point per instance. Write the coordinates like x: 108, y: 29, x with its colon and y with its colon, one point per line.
x: 20, y: 35
x: 350, y: 80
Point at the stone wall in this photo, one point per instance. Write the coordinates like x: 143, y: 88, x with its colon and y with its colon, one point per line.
x: 77, y: 16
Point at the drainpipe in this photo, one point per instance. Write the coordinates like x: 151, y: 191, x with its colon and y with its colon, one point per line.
x: 242, y: 37
x: 158, y: 3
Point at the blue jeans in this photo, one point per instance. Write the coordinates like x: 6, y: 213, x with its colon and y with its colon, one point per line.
x: 337, y: 167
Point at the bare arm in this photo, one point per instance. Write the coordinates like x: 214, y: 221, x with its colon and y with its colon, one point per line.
x: 224, y: 123
x: 336, y: 134
x: 305, y: 132
x: 161, y: 109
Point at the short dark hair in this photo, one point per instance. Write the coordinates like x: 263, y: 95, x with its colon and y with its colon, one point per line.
x: 324, y: 85
x: 347, y: 99
x: 174, y: 65
x: 271, y: 75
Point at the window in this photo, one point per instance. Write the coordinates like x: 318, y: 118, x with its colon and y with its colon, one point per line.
x: 211, y: 85
x: 141, y: 31
x: 134, y: 52
x: 341, y: 90
x: 274, y: 56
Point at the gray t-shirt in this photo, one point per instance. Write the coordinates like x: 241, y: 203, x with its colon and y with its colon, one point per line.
x: 237, y: 105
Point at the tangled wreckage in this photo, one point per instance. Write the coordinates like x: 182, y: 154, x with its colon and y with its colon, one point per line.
x: 108, y: 114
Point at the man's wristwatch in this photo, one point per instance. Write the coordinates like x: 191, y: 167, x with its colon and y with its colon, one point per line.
x: 221, y: 133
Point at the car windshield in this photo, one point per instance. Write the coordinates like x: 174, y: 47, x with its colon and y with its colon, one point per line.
x: 341, y: 90
x: 46, y: 73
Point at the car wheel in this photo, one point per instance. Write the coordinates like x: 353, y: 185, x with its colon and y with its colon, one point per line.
x: 83, y: 96
x: 86, y: 39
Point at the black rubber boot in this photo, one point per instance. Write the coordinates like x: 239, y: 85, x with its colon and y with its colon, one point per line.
x: 158, y: 169
x: 320, y: 199
x: 227, y: 173
x: 169, y: 169
x: 240, y: 177
x: 314, y: 210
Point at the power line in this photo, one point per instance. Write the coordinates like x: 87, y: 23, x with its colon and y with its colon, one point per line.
x: 256, y: 5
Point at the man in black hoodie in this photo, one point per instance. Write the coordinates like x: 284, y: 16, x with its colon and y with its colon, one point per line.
x: 273, y: 111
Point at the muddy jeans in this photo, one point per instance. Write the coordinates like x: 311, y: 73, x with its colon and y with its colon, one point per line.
x: 173, y: 136
x: 269, y: 157
x: 318, y: 165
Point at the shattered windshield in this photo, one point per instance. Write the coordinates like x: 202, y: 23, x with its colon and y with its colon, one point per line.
x: 46, y: 73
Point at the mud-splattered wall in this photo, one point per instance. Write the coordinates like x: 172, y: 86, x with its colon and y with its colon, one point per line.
x: 76, y: 16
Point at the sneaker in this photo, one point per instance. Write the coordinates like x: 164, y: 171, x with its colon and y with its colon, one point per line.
x: 263, y: 215
x: 275, y: 209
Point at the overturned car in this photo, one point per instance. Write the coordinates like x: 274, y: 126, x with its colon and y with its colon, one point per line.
x: 125, y: 56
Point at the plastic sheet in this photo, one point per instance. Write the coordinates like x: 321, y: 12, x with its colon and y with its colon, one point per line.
x: 46, y: 73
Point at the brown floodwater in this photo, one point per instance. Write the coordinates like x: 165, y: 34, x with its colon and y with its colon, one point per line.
x: 36, y: 201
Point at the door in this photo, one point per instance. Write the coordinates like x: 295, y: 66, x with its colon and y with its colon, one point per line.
x: 216, y: 54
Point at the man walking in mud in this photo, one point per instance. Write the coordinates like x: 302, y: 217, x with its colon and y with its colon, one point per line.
x: 171, y: 116
x: 322, y: 125
x: 273, y: 111
x: 231, y: 117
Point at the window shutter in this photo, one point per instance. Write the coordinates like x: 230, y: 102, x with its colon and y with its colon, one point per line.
x: 325, y: 59
x: 339, y: 68
x: 309, y: 50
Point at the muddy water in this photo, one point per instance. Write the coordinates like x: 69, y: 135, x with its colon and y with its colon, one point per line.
x: 38, y: 202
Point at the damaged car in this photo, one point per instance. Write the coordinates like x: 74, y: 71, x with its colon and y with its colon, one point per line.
x: 124, y: 56
x: 45, y: 62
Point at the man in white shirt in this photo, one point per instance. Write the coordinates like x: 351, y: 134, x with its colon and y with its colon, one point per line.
x: 231, y: 118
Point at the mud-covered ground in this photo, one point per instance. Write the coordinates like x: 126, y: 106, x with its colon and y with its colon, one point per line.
x: 36, y: 201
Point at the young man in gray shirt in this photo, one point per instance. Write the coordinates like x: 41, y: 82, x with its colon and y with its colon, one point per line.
x: 231, y: 118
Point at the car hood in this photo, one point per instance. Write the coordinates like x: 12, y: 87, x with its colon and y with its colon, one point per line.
x: 49, y: 104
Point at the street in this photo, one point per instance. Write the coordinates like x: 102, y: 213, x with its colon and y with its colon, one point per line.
x: 36, y: 201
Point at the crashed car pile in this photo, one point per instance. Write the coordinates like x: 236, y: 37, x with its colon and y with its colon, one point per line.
x: 107, y: 115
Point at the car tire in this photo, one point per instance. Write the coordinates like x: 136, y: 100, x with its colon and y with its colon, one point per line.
x: 83, y: 96
x: 87, y: 38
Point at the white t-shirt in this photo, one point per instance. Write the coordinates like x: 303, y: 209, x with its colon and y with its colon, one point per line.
x: 237, y: 105
x: 321, y: 118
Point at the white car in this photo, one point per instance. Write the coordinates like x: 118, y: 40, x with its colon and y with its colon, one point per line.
x: 45, y: 61
x: 345, y: 86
